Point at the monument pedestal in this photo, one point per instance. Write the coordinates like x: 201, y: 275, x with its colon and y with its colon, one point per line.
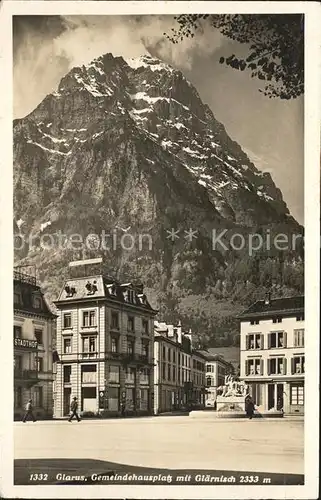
x: 230, y: 406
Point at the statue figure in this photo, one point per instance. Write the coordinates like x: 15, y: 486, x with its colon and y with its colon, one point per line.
x: 233, y: 387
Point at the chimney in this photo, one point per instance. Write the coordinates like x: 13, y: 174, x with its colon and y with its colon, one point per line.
x: 179, y: 332
x: 267, y: 299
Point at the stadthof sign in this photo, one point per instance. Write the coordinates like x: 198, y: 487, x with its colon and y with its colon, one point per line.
x: 28, y: 344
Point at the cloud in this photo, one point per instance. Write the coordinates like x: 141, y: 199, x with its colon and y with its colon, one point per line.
x: 47, y: 50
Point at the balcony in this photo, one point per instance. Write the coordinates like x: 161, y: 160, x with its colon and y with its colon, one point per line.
x: 27, y: 377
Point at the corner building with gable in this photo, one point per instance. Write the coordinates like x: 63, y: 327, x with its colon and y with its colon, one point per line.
x: 105, y: 339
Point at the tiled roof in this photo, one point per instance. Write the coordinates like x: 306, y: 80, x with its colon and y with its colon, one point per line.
x: 27, y: 293
x: 284, y: 305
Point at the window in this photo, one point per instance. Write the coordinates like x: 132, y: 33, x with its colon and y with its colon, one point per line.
x: 130, y: 375
x: 40, y: 364
x: 144, y: 393
x: 113, y: 398
x: 169, y: 372
x: 67, y: 320
x: 39, y: 336
x: 130, y: 346
x: 17, y: 397
x: 67, y: 374
x: 254, y: 322
x: 145, y: 348
x: 256, y: 391
x: 169, y: 354
x: 115, y: 320
x: 145, y: 326
x: 36, y: 302
x: 298, y: 338
x: 297, y: 395
x: 277, y: 340
x: 276, y: 366
x: 113, y: 374
x: 17, y: 298
x: 17, y: 332
x: 210, y: 368
x: 114, y: 344
x: 144, y: 376
x: 173, y: 373
x: 88, y: 374
x: 38, y: 397
x: 174, y: 357
x: 67, y: 346
x: 254, y: 366
x: 164, y: 352
x: 254, y: 341
x: 89, y: 344
x: 209, y: 381
x: 89, y: 318
x: 18, y: 365
x: 130, y: 399
x: 130, y: 324
x: 163, y: 371
x: 298, y: 365
x: 300, y: 317
x: 277, y: 320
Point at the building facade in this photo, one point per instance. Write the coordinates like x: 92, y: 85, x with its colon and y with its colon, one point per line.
x: 105, y: 347
x: 272, y: 353
x: 33, y: 329
x: 216, y: 369
x: 179, y: 370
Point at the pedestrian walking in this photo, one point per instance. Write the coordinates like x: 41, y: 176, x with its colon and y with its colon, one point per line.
x: 29, y: 412
x: 73, y: 410
x: 249, y: 407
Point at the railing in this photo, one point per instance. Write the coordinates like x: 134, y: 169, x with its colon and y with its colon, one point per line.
x: 24, y: 278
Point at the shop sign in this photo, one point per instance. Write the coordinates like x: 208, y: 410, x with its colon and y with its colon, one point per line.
x: 26, y: 343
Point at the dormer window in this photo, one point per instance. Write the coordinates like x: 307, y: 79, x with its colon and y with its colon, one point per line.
x: 129, y: 295
x: 70, y: 291
x: 143, y: 299
x: 113, y: 289
x: 91, y: 287
x: 37, y: 302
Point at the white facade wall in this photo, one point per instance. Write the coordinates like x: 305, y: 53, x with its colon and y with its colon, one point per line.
x: 285, y: 380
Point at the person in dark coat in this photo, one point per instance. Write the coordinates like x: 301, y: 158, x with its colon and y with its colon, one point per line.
x: 29, y: 412
x: 73, y: 409
x: 249, y: 407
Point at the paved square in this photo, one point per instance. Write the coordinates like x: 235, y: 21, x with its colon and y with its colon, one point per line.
x: 177, y: 442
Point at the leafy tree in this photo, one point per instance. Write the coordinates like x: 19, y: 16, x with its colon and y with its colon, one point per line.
x: 275, y: 41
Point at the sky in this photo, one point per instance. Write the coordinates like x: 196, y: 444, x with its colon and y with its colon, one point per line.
x: 270, y: 131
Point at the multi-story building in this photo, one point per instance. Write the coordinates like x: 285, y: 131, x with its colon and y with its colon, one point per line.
x: 215, y: 371
x: 33, y: 330
x: 179, y: 370
x: 272, y: 353
x: 105, y: 345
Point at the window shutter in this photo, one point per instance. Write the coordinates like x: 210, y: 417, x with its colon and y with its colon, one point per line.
x: 292, y: 366
x: 261, y: 367
x: 247, y: 340
x: 262, y: 341
x: 247, y: 367
x: 268, y: 366
x: 284, y: 366
x: 269, y: 341
x: 284, y: 339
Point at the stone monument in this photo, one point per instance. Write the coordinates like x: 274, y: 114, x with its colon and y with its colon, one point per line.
x: 231, y: 401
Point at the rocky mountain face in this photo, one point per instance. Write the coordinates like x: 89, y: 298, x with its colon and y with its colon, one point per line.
x: 129, y: 145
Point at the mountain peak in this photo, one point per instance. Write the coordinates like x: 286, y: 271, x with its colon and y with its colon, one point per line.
x: 150, y: 62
